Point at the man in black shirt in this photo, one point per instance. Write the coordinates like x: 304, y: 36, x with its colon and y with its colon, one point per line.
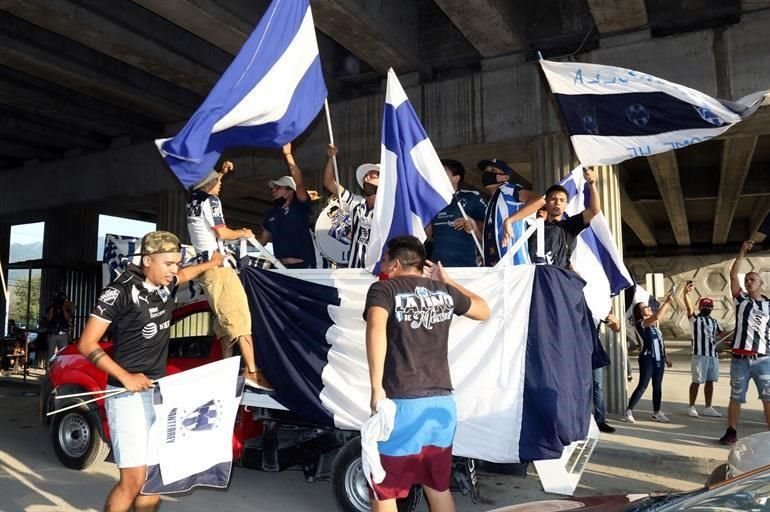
x: 138, y: 307
x: 407, y: 331
x: 561, y: 233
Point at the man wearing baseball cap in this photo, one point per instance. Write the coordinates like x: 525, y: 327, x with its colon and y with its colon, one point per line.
x: 138, y: 307
x: 287, y: 223
x: 508, y: 198
x: 705, y: 361
x: 361, y: 208
x: 224, y: 291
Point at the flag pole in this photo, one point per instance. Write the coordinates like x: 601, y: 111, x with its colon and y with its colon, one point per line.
x: 473, y: 233
x: 5, y: 288
x: 334, y: 158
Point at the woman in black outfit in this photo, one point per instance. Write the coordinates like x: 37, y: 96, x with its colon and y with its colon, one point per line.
x: 652, y: 358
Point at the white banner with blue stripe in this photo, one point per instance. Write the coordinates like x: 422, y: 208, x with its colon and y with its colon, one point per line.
x: 413, y: 184
x: 522, y: 379
x: 269, y: 94
x: 614, y: 114
x: 595, y: 257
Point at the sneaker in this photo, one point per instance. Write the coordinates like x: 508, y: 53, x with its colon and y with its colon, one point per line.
x: 693, y: 412
x: 629, y: 416
x: 660, y: 417
x: 711, y: 412
x: 604, y: 427
x: 730, y: 437
x: 257, y: 380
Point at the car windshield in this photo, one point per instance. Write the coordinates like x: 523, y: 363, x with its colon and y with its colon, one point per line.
x: 750, y: 493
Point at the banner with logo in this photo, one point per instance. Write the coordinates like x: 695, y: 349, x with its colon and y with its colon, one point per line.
x: 191, y: 437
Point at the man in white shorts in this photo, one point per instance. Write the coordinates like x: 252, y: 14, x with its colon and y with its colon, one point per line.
x: 705, y: 361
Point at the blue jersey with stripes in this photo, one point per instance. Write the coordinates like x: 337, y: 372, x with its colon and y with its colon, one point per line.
x: 505, y: 202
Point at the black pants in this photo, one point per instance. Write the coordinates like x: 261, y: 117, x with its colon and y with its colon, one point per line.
x: 649, y: 370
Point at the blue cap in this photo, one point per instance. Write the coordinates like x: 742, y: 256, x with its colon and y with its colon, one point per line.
x: 483, y: 164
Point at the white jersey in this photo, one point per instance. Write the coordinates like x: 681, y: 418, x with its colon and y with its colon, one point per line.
x: 361, y: 227
x: 752, y: 324
x: 704, y: 335
x: 204, y: 216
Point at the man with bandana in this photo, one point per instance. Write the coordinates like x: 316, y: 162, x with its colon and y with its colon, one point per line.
x: 508, y: 198
x: 361, y: 208
x: 705, y: 361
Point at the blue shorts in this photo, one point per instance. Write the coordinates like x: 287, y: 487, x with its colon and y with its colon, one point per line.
x: 130, y: 416
x: 419, y: 450
x: 705, y: 369
x: 744, y: 370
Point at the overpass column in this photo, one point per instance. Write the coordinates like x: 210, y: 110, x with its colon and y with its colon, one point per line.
x: 616, y: 394
x: 172, y: 212
x: 5, y: 247
x: 70, y: 260
x: 552, y: 159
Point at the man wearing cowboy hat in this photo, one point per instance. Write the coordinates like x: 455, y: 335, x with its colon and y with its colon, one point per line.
x: 224, y: 291
x: 361, y: 207
x: 286, y: 224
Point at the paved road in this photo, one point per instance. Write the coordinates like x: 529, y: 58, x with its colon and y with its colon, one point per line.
x: 32, y: 480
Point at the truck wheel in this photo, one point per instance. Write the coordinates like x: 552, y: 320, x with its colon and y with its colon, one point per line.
x: 350, y: 486
x: 77, y: 437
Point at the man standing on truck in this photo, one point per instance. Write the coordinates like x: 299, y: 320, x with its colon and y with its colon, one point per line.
x: 407, y: 333
x: 138, y: 306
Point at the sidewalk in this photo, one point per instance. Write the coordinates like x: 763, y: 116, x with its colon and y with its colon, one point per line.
x: 685, y: 449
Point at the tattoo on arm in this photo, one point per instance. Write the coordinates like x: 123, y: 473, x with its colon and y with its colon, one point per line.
x: 95, y: 355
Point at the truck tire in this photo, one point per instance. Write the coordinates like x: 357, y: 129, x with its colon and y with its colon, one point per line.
x: 77, y: 437
x: 350, y: 486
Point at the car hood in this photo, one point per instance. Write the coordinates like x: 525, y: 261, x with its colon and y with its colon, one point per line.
x: 589, y: 503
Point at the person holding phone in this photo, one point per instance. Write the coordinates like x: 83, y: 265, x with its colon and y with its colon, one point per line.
x: 705, y: 362
x: 652, y: 358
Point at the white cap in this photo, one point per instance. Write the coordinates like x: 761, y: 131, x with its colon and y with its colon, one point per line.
x: 283, y: 181
x: 206, y: 180
x: 363, y: 170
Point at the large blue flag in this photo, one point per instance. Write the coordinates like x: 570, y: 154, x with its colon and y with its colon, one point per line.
x: 413, y: 184
x: 271, y: 92
x: 596, y: 256
x: 614, y: 114
x: 522, y: 379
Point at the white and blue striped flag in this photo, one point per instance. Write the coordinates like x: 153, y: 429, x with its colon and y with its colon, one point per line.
x: 413, y: 184
x: 271, y: 92
x: 615, y: 114
x: 595, y: 257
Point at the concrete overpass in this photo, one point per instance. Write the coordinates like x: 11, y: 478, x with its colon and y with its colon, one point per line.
x: 85, y: 86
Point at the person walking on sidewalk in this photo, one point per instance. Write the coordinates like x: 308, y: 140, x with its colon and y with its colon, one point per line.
x: 600, y: 411
x: 750, y: 346
x: 652, y: 358
x: 705, y: 362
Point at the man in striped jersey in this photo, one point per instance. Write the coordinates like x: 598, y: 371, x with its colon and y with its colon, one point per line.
x: 361, y: 207
x: 750, y: 346
x: 705, y: 362
x: 510, y: 204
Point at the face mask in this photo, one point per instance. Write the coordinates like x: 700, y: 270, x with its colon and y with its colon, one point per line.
x: 278, y: 203
x: 488, y: 179
x: 369, y: 189
x: 705, y: 312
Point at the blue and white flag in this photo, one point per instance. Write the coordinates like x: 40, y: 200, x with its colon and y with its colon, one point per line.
x: 271, y: 92
x: 596, y: 257
x: 190, y: 442
x: 504, y: 203
x: 614, y: 114
x: 522, y: 379
x: 413, y: 184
